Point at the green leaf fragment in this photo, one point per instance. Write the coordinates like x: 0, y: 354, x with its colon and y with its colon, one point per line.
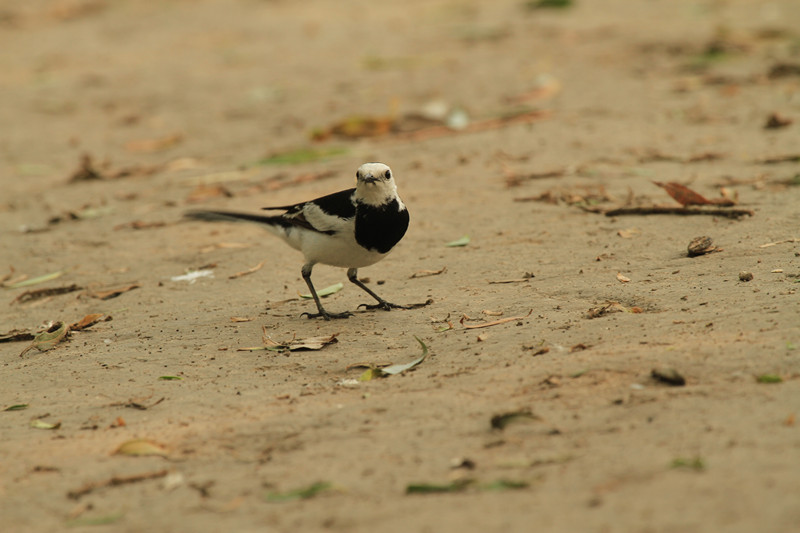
x: 36, y: 280
x: 47, y: 340
x: 433, y: 488
x: 302, y: 155
x: 327, y: 291
x: 169, y: 378
x: 372, y: 373
x: 17, y: 407
x: 463, y: 241
x: 300, y: 494
x: 505, y: 484
x: 769, y: 378
x: 692, y: 463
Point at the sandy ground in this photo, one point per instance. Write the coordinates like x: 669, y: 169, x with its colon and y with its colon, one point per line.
x: 179, y: 102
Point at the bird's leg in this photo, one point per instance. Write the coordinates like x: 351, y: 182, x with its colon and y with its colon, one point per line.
x: 352, y: 275
x: 306, y: 271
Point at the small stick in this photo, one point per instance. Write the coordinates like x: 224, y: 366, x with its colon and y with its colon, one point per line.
x: 669, y: 210
x: 115, y: 481
x: 501, y: 321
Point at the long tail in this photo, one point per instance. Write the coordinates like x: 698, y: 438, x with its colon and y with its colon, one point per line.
x: 231, y: 216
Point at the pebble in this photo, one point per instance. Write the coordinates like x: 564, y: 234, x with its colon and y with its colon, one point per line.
x: 745, y: 276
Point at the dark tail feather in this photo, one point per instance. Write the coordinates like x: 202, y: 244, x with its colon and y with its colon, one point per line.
x: 230, y: 216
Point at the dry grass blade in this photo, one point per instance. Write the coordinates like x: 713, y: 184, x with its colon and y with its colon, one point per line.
x: 246, y: 272
x: 426, y: 273
x: 115, y: 481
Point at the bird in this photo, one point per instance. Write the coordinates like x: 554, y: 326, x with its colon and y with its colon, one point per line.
x: 351, y: 229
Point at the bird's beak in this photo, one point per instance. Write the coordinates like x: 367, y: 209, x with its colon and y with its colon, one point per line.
x: 369, y: 178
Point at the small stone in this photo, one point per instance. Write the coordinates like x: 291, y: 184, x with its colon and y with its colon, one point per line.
x: 745, y: 276
x: 701, y: 245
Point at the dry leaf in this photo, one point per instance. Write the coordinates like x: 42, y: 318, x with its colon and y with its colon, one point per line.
x: 87, y: 321
x: 426, y: 273
x: 628, y: 233
x: 112, y: 293
x: 47, y: 340
x: 141, y: 447
x: 683, y: 194
x: 622, y: 278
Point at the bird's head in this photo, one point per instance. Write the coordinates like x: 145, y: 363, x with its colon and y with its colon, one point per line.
x: 375, y: 184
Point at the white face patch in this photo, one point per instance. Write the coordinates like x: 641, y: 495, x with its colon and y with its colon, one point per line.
x: 375, y: 184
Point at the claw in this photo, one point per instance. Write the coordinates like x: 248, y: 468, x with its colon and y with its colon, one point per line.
x: 328, y: 316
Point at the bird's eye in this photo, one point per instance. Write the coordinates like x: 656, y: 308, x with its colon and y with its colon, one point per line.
x: 358, y: 174
x: 388, y: 174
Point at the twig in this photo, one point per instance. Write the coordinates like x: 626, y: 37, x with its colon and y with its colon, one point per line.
x: 501, y: 321
x: 793, y: 239
x: 676, y: 210
x: 115, y: 481
x: 248, y: 271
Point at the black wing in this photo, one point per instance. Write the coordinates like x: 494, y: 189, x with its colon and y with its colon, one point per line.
x: 338, y: 204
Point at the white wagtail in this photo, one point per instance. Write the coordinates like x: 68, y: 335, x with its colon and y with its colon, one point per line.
x: 351, y: 229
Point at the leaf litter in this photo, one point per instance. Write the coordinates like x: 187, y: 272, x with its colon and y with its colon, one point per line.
x: 391, y: 370
x: 292, y: 345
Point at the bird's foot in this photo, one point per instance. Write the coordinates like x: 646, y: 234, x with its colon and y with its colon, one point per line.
x: 328, y: 316
x: 388, y: 306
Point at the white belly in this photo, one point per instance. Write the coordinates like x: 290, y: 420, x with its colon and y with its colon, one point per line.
x: 339, y: 250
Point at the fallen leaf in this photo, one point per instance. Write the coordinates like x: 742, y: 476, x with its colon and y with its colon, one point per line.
x: 140, y: 447
x: 693, y: 463
x: 426, y: 273
x: 87, y: 321
x: 391, y: 370
x: 310, y: 343
x: 628, y: 233
x: 240, y: 319
x: 327, y: 291
x: 48, y: 339
x: 463, y: 241
x: 769, y: 378
x: 683, y: 194
x: 502, y: 421
x: 500, y: 321
x: 300, y: 494
x: 504, y: 484
x: 38, y: 294
x: 34, y: 281
x: 100, y: 520
x: 108, y: 294
x: 432, y: 488
x: 16, y: 335
x: 622, y: 278
x: 37, y: 423
x: 302, y: 155
x: 170, y: 378
x: 17, y: 407
x: 670, y: 376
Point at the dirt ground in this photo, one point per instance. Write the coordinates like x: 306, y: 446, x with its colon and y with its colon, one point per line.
x: 555, y: 115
